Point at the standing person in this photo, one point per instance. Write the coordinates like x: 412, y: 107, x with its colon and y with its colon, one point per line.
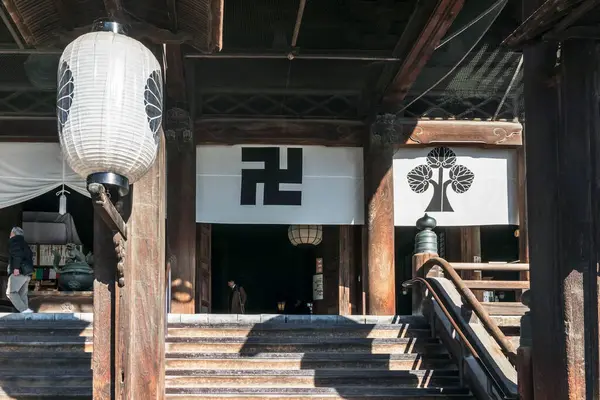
x: 20, y: 269
x: 237, y: 298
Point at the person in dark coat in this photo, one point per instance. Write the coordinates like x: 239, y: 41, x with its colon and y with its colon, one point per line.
x: 237, y: 298
x: 20, y: 269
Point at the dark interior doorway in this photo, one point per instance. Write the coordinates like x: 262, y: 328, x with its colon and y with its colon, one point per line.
x: 262, y: 260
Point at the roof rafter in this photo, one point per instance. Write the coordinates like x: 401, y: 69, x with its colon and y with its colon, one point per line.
x: 420, y: 51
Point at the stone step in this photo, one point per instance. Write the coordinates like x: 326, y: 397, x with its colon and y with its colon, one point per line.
x: 300, y: 330
x: 45, y: 329
x: 257, y: 346
x: 52, y: 392
x: 287, y: 361
x: 275, y: 319
x: 24, y: 379
x: 354, y: 393
x: 44, y: 344
x: 311, y: 378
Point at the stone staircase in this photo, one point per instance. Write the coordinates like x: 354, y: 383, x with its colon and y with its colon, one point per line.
x: 214, y: 357
x: 45, y: 356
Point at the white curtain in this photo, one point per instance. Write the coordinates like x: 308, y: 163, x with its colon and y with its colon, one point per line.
x: 28, y: 170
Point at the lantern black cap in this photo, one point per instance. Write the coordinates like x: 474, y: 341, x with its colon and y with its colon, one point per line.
x: 112, y: 182
x: 426, y: 223
x: 105, y: 25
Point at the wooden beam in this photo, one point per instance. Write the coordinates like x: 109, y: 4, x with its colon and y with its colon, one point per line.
x: 542, y: 20
x: 434, y: 30
x: 229, y: 131
x: 428, y: 132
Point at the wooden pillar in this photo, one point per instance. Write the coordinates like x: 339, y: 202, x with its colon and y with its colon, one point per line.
x: 522, y: 193
x: 379, y: 218
x: 105, y: 318
x: 345, y: 281
x: 470, y: 250
x: 562, y: 143
x: 181, y: 213
x: 144, y: 295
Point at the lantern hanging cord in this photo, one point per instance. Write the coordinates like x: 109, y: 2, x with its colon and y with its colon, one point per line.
x: 446, y: 75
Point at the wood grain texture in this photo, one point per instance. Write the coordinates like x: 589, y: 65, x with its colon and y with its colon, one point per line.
x: 489, y: 133
x: 204, y: 267
x: 344, y: 274
x: 379, y: 201
x: 284, y: 132
x: 145, y: 295
x: 470, y: 248
x: 103, y: 357
x: 522, y: 204
x: 181, y: 224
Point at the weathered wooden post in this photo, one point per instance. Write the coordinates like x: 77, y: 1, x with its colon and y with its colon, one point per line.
x: 426, y: 247
x: 524, y: 360
x: 379, y: 217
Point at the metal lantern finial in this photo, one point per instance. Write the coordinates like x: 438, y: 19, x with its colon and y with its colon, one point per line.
x: 305, y: 234
x: 109, y: 106
x: 426, y: 240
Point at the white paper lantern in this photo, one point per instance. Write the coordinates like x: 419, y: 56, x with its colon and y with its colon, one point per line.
x: 109, y: 107
x: 305, y: 234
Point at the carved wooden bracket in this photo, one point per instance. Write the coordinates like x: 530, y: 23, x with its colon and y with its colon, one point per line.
x: 179, y: 128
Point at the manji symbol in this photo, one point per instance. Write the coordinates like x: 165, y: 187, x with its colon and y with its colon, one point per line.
x: 460, y: 178
x: 271, y: 176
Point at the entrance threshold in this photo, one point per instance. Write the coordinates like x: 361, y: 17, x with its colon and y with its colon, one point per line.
x: 282, y: 318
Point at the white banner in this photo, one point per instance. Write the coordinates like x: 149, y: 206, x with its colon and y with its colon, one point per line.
x: 279, y: 185
x: 458, y: 186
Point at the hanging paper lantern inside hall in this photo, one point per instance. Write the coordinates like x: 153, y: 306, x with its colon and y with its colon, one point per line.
x: 109, y: 106
x: 305, y: 234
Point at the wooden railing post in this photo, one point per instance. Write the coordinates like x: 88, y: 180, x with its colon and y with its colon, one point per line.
x: 426, y: 247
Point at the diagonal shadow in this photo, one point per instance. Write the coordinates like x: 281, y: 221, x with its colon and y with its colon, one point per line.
x: 304, y: 355
x: 45, y: 356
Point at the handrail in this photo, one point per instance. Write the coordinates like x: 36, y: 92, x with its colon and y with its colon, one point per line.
x: 500, y: 387
x: 460, y: 266
x: 467, y: 295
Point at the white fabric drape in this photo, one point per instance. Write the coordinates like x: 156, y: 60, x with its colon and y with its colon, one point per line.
x: 28, y: 170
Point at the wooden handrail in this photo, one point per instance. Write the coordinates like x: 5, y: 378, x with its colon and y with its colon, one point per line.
x: 497, y: 285
x: 489, y: 267
x: 468, y: 296
x: 501, y: 387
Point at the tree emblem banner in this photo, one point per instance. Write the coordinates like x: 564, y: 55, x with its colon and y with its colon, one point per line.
x: 279, y: 185
x: 458, y: 186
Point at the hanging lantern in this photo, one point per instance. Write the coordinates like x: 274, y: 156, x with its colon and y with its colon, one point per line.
x: 109, y: 106
x: 305, y: 234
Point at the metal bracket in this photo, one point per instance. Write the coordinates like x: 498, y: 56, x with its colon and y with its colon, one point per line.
x: 110, y: 215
